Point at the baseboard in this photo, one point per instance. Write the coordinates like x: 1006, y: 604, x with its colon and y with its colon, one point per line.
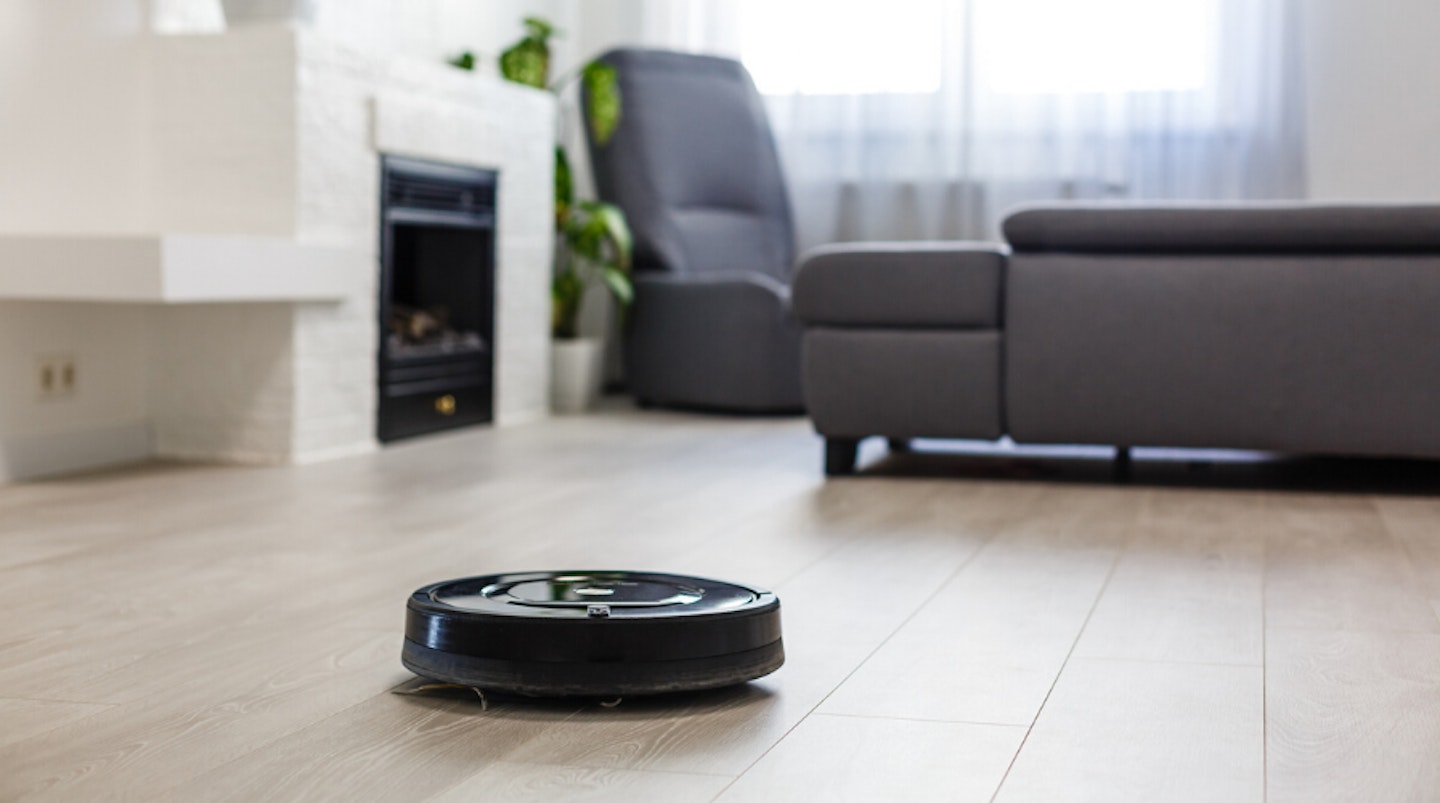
x: 515, y: 418
x: 32, y: 456
x: 335, y: 453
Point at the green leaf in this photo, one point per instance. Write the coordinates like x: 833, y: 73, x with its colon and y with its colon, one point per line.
x: 564, y: 186
x: 539, y: 28
x: 602, y: 85
x: 566, y: 293
x: 616, y: 230
x: 608, y: 223
x: 465, y: 61
x: 619, y: 283
x: 585, y: 234
x: 527, y: 62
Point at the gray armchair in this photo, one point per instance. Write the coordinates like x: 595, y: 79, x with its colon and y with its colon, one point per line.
x: 693, y: 165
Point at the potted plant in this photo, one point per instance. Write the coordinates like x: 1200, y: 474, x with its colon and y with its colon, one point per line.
x: 592, y: 239
x: 594, y: 248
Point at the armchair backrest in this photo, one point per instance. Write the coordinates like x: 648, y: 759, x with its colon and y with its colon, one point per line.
x: 693, y: 165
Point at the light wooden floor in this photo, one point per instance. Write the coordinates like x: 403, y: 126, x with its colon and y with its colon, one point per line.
x: 957, y: 628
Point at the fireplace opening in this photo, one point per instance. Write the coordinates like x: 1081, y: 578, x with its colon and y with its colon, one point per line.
x: 437, y: 297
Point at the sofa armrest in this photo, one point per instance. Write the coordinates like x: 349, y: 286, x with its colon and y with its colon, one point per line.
x: 901, y: 285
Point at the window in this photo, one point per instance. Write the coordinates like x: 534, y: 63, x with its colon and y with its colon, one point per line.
x: 1096, y: 46
x: 861, y: 47
x: 843, y: 47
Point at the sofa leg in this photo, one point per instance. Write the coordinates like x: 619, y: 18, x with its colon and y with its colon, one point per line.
x: 840, y: 454
x: 1122, y: 464
x: 898, y: 445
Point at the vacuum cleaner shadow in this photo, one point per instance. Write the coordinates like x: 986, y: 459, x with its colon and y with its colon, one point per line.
x: 427, y: 694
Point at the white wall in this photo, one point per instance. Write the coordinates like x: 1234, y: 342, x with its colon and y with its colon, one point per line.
x: 72, y: 123
x: 72, y: 115
x: 105, y: 420
x: 437, y: 29
x: 1373, y: 98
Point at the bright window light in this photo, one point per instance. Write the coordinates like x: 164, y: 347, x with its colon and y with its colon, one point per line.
x: 843, y: 47
x: 1066, y: 46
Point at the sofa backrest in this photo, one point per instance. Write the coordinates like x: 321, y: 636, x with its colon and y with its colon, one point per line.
x: 693, y: 164
x: 1231, y: 228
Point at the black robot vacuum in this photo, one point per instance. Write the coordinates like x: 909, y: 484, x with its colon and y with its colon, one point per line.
x: 592, y: 633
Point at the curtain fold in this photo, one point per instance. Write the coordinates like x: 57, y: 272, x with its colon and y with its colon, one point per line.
x: 1034, y: 100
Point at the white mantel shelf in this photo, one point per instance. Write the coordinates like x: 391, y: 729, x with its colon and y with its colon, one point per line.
x: 175, y: 269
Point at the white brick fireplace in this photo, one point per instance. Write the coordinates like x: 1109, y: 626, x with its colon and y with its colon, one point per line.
x: 261, y: 209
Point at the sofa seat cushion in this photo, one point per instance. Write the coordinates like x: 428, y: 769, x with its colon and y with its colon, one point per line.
x: 901, y: 285
x: 1232, y: 228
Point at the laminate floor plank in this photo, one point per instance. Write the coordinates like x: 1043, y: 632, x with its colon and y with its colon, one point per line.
x: 1335, y: 566
x: 1145, y: 731
x: 539, y: 783
x: 1412, y: 522
x: 1352, y: 716
x: 988, y: 647
x: 831, y: 625
x: 1190, y: 584
x: 431, y: 744
x: 23, y: 719
x: 838, y: 758
x: 136, y: 751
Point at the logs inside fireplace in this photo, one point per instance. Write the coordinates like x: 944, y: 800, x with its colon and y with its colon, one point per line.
x: 437, y: 297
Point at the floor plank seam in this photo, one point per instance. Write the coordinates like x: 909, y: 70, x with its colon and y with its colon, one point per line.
x: 1095, y: 603
x: 28, y: 699
x: 1265, y: 669
x: 920, y: 719
x: 1358, y: 630
x: 445, y: 791
x: 1111, y: 659
x: 644, y: 770
x: 939, y: 587
x: 1408, y: 552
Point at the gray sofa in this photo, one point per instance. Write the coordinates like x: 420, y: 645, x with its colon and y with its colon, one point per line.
x: 1293, y: 328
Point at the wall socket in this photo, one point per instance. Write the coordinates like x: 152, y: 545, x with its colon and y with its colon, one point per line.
x: 56, y: 376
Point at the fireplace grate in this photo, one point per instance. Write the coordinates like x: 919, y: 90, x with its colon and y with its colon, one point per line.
x: 439, y: 192
x: 437, y: 297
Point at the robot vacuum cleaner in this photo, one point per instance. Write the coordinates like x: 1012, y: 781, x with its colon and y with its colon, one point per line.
x: 592, y: 633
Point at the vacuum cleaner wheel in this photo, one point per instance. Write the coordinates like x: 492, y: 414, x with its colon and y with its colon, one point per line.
x: 592, y: 633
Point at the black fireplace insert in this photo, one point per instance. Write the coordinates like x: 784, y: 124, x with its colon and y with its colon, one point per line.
x: 437, y: 297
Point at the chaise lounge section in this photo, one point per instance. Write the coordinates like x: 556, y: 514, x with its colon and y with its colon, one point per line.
x: 1293, y: 328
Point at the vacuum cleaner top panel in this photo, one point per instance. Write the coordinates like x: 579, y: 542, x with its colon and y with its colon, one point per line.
x: 590, y: 594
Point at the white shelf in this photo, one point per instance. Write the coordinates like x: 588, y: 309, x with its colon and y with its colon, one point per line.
x: 175, y: 269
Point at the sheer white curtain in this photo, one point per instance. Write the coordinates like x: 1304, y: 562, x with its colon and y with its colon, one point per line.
x: 914, y: 119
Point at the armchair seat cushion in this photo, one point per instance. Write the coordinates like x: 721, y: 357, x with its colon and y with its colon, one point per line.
x: 901, y: 285
x: 717, y: 341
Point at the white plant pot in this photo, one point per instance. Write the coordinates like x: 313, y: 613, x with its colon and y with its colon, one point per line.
x: 577, y: 367
x: 246, y: 12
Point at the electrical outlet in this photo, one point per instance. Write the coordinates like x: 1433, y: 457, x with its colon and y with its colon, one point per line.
x: 56, y: 376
